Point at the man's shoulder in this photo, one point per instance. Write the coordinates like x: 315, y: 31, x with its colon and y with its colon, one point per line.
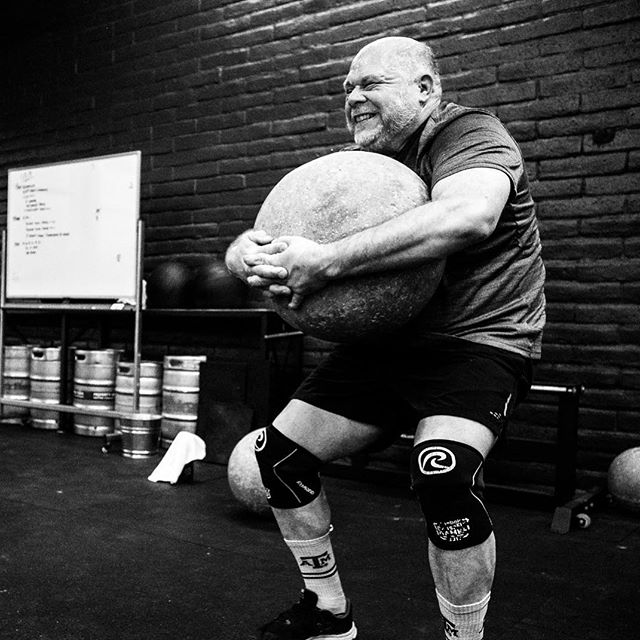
x: 447, y: 111
x: 450, y: 112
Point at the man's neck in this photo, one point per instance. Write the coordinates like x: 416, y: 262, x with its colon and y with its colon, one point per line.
x: 427, y: 111
x: 429, y: 108
x: 415, y: 135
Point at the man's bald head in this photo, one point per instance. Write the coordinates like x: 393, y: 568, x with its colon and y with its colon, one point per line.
x: 412, y: 57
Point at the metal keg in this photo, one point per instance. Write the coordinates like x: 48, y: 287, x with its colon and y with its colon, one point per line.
x: 180, y: 395
x: 149, y: 389
x: 94, y: 382
x: 15, y: 381
x: 44, y: 377
x: 140, y: 436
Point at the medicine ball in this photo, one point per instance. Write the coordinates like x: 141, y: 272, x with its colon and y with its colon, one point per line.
x: 335, y: 196
x: 243, y: 475
x: 213, y: 287
x: 167, y: 285
x: 624, y: 479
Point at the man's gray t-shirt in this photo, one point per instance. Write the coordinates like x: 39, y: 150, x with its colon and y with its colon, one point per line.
x: 492, y: 292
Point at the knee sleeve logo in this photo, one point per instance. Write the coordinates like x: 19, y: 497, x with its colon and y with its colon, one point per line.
x: 453, y: 531
x: 434, y: 460
x: 261, y: 440
x: 304, y: 487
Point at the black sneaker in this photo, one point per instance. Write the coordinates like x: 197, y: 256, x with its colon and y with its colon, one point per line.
x: 304, y: 621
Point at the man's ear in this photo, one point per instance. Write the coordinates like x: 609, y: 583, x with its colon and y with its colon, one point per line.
x: 426, y: 86
x: 429, y: 88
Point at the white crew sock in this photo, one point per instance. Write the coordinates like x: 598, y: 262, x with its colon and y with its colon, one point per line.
x: 463, y: 621
x: 319, y: 571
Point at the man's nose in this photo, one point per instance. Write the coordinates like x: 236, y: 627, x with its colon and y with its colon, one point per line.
x: 355, y: 96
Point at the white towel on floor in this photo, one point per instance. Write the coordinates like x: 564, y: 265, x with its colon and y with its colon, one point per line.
x: 185, y: 448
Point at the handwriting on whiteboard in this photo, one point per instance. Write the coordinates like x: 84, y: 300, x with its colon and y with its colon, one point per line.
x: 36, y: 218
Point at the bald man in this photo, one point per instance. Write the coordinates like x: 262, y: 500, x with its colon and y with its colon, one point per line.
x: 454, y: 374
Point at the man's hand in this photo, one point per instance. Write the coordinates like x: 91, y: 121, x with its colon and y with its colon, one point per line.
x: 301, y: 266
x: 250, y: 242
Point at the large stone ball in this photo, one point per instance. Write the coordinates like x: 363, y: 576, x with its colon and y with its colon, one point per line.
x: 243, y: 475
x: 167, y: 285
x: 624, y: 479
x: 334, y: 196
x: 213, y: 287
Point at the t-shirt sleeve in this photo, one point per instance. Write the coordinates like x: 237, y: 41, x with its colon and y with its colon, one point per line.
x: 475, y: 141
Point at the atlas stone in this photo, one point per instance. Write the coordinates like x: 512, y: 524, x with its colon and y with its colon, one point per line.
x: 624, y: 479
x: 243, y: 475
x: 167, y: 285
x: 213, y: 287
x: 335, y: 196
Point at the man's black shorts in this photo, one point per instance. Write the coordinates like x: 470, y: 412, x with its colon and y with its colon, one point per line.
x: 396, y: 385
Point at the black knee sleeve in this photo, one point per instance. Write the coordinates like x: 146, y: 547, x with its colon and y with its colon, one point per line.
x: 444, y: 475
x: 289, y: 472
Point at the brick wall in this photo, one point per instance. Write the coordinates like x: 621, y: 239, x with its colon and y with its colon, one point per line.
x: 224, y: 96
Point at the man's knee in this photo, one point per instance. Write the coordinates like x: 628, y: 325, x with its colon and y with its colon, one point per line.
x: 289, y: 472
x: 444, y: 475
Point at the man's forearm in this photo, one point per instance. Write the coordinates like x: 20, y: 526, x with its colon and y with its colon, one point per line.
x: 465, y: 209
x: 429, y: 232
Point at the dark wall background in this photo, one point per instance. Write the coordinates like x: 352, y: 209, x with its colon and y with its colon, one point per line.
x: 224, y: 96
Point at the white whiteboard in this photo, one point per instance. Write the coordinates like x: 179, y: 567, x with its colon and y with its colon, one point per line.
x: 72, y: 229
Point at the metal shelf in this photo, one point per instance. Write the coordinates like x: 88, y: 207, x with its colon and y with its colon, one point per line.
x: 85, y: 411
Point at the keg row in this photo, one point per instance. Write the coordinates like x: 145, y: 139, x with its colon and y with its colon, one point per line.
x: 102, y: 382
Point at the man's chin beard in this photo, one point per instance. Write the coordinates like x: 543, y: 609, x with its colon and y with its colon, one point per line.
x: 367, y: 141
x: 378, y: 144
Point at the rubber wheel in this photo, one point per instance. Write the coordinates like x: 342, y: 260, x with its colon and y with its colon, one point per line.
x: 583, y: 520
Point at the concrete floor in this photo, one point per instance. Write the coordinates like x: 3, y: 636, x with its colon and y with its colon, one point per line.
x: 91, y: 550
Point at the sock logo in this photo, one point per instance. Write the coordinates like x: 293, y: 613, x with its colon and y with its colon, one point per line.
x: 433, y: 460
x: 316, y: 562
x: 261, y: 440
x: 450, y: 629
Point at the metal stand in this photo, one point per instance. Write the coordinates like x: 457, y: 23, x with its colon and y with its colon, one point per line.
x: 571, y: 508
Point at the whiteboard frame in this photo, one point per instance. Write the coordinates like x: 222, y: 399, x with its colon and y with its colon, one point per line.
x: 129, y: 291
